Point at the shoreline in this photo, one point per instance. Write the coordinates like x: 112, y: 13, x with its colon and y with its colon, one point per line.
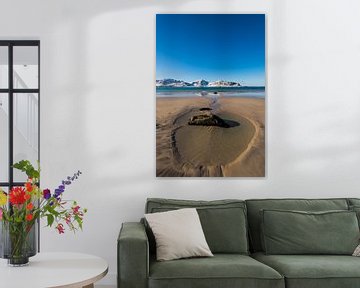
x: 187, y: 151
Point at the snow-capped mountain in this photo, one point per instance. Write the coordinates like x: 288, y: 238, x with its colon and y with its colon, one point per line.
x: 171, y: 83
x: 221, y: 83
x: 200, y: 83
x: 196, y: 83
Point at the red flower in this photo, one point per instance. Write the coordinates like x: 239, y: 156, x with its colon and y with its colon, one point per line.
x: 17, y: 196
x: 68, y: 219
x: 29, y: 206
x: 27, y: 196
x: 29, y: 186
x: 75, y: 209
x: 60, y: 228
x: 29, y: 217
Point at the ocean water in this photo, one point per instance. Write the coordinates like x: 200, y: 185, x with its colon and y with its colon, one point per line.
x: 257, y: 92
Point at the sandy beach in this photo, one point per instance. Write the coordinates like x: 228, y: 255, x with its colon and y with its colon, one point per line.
x: 235, y: 150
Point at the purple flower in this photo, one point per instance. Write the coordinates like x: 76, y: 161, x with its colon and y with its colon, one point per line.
x: 46, y: 194
x: 64, y: 183
x: 58, y: 192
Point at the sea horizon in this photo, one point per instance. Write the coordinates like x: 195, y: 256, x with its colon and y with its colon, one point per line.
x: 242, y: 91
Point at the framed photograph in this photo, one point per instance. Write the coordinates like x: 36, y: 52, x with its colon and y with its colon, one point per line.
x: 210, y: 95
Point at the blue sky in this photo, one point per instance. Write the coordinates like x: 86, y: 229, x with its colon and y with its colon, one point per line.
x: 211, y: 47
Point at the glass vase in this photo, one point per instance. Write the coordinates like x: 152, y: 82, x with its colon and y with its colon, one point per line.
x: 18, y: 242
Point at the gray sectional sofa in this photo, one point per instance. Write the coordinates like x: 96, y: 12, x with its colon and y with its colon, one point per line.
x: 262, y: 243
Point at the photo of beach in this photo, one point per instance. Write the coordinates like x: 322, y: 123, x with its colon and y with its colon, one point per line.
x: 210, y: 95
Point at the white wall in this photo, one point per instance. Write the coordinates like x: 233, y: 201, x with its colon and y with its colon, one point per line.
x: 98, y: 105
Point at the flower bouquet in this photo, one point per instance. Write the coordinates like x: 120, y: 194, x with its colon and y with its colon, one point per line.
x: 21, y: 208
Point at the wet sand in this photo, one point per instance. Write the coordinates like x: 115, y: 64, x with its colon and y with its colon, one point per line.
x: 196, y: 151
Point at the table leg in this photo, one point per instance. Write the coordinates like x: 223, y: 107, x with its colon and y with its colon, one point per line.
x: 89, y: 286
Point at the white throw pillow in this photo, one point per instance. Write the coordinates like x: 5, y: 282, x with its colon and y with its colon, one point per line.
x: 357, y: 251
x: 178, y: 234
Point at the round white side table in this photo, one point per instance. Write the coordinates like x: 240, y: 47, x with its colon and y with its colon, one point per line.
x: 50, y: 270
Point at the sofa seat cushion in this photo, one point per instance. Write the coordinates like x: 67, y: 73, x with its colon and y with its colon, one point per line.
x: 222, y: 270
x: 313, y: 271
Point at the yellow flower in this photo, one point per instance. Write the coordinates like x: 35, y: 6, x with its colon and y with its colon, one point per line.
x: 3, y: 198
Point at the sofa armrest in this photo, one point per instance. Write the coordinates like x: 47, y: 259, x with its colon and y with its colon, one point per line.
x: 133, y: 256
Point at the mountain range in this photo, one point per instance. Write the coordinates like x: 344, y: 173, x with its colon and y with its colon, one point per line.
x: 196, y: 83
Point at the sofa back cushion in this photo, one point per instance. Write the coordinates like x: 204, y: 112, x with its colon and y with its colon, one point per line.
x: 255, y: 206
x: 298, y: 232
x: 353, y: 201
x: 223, y: 221
x: 354, y: 205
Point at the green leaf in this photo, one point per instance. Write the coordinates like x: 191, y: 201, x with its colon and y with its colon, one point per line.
x: 79, y: 221
x: 22, y: 164
x: 50, y: 219
x: 52, y: 211
x: 28, y: 168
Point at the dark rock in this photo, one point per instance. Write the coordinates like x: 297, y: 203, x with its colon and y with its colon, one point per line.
x: 208, y: 119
